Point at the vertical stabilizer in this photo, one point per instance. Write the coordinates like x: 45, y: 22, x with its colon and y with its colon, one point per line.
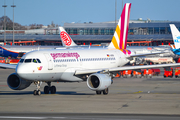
x: 119, y: 40
x: 65, y: 38
x: 176, y: 36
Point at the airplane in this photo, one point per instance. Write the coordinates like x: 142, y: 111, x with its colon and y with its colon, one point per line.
x: 97, y: 66
x: 15, y: 51
x: 68, y: 42
x: 176, y: 38
x: 155, y: 51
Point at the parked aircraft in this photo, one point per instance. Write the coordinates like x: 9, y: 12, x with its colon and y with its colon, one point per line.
x: 165, y: 51
x: 18, y: 51
x: 68, y: 42
x: 176, y: 38
x: 96, y: 66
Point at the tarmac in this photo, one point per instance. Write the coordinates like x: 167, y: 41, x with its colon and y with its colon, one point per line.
x: 152, y: 96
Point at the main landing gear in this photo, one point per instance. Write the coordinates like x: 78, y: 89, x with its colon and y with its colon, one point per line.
x: 37, y: 91
x: 105, y: 92
x: 49, y: 88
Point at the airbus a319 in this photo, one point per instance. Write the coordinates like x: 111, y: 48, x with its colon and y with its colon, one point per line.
x: 97, y: 66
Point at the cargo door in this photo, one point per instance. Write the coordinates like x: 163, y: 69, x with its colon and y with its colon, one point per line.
x: 50, y: 61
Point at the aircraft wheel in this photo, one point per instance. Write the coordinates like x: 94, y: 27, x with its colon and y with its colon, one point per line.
x: 46, y: 90
x: 35, y: 92
x: 98, y: 92
x: 105, y: 92
x: 38, y: 92
x: 53, y: 89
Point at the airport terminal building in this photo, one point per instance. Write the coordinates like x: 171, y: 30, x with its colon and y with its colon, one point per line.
x: 141, y: 32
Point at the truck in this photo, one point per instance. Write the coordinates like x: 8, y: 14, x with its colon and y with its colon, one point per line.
x: 159, y: 60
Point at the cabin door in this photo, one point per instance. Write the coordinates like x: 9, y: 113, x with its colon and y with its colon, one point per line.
x: 50, y: 61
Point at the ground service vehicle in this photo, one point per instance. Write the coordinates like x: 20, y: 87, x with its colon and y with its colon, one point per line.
x: 2, y: 60
x: 127, y: 73
x: 137, y: 73
x: 177, y: 72
x: 147, y: 73
x: 14, y: 61
x: 155, y: 72
x: 168, y: 72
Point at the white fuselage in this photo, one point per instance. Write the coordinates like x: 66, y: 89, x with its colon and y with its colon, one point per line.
x: 60, y: 65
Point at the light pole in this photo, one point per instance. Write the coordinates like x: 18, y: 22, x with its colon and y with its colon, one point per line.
x: 115, y: 13
x: 13, y: 20
x: 4, y: 21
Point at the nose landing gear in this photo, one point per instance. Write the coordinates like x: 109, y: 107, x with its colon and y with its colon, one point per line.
x: 49, y: 88
x: 37, y: 91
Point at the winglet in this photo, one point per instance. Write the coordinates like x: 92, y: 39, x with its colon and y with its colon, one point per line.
x: 65, y: 38
x: 176, y: 36
x: 119, y: 40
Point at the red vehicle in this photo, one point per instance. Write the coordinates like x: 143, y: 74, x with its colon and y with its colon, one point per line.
x: 177, y: 72
x: 127, y: 73
x: 137, y: 74
x: 2, y: 60
x: 14, y: 61
x: 147, y: 73
x: 155, y: 72
x: 118, y: 74
x: 168, y: 72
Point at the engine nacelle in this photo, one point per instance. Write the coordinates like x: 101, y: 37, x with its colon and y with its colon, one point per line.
x: 98, y: 82
x: 16, y: 83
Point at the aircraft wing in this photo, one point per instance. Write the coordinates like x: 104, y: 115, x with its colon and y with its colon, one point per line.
x: 89, y: 71
x: 147, y: 54
x: 7, y: 66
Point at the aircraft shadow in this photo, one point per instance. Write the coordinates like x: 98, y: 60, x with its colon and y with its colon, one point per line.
x: 15, y: 93
x: 31, y: 92
x: 72, y: 93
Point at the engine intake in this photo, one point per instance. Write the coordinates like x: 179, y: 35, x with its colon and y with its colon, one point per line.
x: 98, y: 81
x: 16, y: 83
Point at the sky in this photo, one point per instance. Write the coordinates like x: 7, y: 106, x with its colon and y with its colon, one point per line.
x: 44, y: 12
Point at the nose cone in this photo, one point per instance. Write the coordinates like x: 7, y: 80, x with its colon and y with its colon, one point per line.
x: 21, y: 71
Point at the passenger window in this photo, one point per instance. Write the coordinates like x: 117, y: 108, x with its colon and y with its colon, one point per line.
x: 27, y: 60
x: 34, y: 61
x: 38, y: 61
x: 21, y: 61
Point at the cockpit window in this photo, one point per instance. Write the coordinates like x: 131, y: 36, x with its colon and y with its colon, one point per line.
x: 34, y: 61
x: 21, y: 61
x: 38, y: 61
x: 27, y: 60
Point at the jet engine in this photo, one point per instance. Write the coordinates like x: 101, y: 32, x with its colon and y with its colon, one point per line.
x: 98, y: 82
x: 16, y: 83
